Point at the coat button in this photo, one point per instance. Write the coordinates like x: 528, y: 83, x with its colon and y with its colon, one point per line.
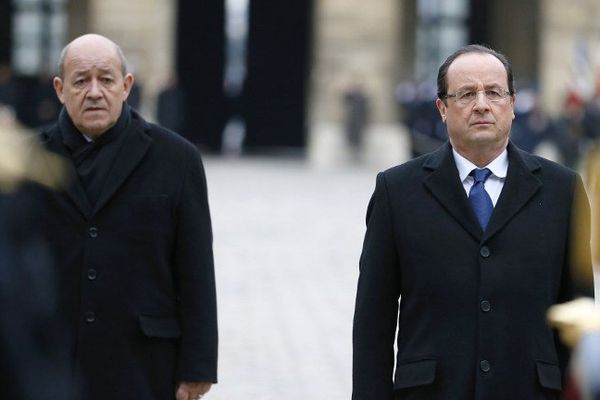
x: 485, y: 366
x: 92, y: 274
x: 485, y: 306
x: 93, y: 232
x: 485, y: 252
x: 90, y: 317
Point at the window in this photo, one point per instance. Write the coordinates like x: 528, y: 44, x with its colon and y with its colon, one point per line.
x: 442, y: 29
x: 39, y: 32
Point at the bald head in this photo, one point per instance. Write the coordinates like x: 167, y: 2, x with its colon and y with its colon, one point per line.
x: 93, y: 83
x: 91, y: 39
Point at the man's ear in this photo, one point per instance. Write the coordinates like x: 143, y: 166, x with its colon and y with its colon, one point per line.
x: 127, y: 85
x: 513, y: 100
x: 58, y: 88
x: 441, y: 108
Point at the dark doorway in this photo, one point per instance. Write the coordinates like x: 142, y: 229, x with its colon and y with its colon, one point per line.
x: 273, y: 100
x: 278, y: 63
x: 515, y: 34
x: 479, y: 22
x: 200, y: 56
x: 5, y: 31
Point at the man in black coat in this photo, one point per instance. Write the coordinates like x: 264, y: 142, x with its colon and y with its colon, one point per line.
x: 131, y: 236
x: 476, y: 241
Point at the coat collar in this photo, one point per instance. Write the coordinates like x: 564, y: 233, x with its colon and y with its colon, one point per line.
x: 520, y: 186
x: 134, y: 147
x: 444, y: 184
x: 52, y: 140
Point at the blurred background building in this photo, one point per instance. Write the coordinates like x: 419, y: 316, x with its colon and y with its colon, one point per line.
x: 273, y: 75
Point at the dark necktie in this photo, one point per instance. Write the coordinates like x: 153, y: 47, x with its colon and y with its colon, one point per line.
x: 480, y: 200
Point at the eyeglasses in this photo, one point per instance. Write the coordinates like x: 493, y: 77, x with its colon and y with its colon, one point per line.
x: 467, y: 97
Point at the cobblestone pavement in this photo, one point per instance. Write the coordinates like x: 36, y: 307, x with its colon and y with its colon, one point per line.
x: 287, y: 239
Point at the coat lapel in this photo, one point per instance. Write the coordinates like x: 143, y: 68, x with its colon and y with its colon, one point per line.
x: 53, y: 142
x: 130, y: 154
x: 519, y: 187
x: 444, y: 184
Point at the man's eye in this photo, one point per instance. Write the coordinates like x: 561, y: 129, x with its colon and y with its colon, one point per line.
x: 107, y: 81
x: 467, y: 95
x: 493, y: 94
x: 79, y: 82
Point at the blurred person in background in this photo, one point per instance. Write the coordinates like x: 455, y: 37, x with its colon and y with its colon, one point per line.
x: 170, y: 106
x: 131, y: 239
x: 44, y: 102
x: 591, y: 119
x: 33, y: 350
x: 427, y: 132
x: 475, y: 241
x: 356, y: 117
x: 531, y: 125
x: 578, y: 322
x: 570, y: 130
x: 135, y: 97
x: 8, y: 87
x: 405, y: 95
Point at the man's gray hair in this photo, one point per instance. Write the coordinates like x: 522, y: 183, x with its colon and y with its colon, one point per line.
x: 63, y: 55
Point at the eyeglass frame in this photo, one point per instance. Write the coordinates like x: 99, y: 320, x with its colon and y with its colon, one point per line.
x: 505, y: 94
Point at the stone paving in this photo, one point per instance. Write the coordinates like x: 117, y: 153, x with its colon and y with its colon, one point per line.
x: 287, y: 238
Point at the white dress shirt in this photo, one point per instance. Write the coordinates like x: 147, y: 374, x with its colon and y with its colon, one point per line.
x: 494, y: 184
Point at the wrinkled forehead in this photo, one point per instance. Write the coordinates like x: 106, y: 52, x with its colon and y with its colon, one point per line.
x: 476, y: 70
x: 102, y: 57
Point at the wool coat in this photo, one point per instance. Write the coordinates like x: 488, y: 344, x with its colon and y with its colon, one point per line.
x: 468, y: 306
x: 135, y: 271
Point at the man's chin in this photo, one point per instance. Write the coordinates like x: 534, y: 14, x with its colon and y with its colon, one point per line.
x: 485, y: 136
x: 94, y: 128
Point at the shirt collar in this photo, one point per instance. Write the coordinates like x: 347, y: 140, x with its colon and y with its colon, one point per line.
x: 498, y: 166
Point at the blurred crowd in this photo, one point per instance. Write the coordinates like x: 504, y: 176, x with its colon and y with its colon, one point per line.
x: 565, y: 137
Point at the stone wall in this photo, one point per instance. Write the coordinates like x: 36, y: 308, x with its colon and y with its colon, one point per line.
x: 355, y: 41
x: 565, y: 26
x: 145, y: 29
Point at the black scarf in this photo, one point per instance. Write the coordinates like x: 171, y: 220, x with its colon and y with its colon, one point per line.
x: 93, y: 160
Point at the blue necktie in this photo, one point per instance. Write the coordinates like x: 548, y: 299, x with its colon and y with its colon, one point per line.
x: 480, y: 200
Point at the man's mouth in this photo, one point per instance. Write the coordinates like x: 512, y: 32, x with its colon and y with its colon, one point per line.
x: 94, y: 109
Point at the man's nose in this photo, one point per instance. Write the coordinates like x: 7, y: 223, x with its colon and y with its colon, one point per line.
x: 481, y: 102
x: 94, y: 89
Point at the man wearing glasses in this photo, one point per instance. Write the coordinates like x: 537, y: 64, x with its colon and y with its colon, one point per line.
x: 476, y: 241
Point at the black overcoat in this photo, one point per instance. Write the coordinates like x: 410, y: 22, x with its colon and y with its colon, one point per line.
x: 471, y: 321
x: 135, y: 271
